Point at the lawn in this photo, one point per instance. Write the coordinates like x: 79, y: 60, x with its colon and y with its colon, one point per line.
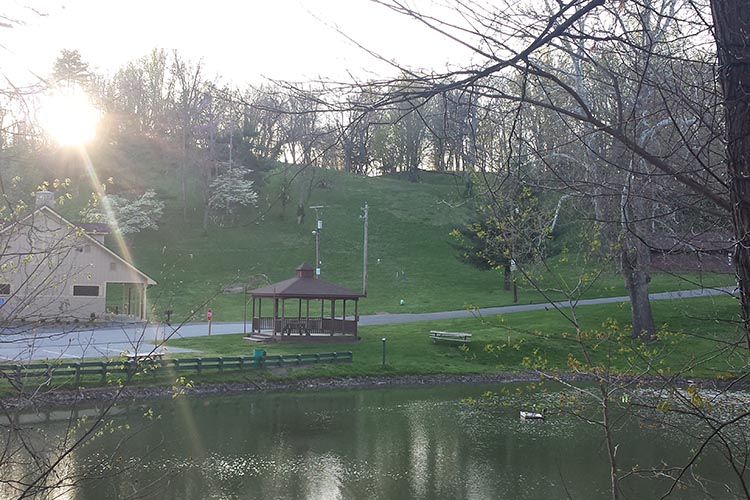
x: 691, y: 344
x: 411, y: 256
x: 688, y: 343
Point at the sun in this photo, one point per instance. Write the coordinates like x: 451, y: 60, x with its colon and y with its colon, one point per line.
x: 68, y: 117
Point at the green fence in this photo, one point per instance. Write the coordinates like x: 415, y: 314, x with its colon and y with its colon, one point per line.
x: 129, y: 367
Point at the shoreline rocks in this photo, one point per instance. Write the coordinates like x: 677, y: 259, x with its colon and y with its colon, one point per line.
x: 144, y: 392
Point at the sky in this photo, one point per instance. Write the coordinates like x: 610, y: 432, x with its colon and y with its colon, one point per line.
x: 238, y: 42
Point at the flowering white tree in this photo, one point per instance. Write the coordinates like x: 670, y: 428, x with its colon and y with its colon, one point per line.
x: 128, y: 216
x: 231, y: 192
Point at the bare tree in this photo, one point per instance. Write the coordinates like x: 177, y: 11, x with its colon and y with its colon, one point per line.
x: 600, y: 71
x: 731, y: 19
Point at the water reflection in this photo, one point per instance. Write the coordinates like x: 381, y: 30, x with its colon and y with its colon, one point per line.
x: 423, y: 444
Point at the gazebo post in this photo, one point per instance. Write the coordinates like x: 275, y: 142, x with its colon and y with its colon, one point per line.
x: 356, y: 317
x: 333, y: 316
x: 343, y: 319
x: 283, y: 317
x: 307, y: 316
x: 252, y: 316
x: 275, y: 313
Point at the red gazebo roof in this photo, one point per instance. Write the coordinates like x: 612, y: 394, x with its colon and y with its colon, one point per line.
x: 305, y: 286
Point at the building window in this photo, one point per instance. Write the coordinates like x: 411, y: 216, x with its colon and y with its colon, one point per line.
x: 113, y: 266
x: 85, y: 291
x: 4, y: 288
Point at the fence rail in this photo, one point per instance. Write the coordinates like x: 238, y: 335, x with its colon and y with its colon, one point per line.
x: 18, y: 372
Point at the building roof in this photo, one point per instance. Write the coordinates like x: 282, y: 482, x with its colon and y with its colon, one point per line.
x: 305, y: 286
x: 49, y: 212
x: 94, y: 227
x: 706, y: 242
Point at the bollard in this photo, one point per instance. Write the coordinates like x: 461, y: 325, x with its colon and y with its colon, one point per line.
x: 383, y: 352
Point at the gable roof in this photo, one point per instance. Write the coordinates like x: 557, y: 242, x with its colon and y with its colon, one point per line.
x: 49, y: 212
x: 305, y: 286
x: 703, y: 242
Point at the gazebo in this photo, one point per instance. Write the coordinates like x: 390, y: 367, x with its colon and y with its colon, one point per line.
x: 299, y: 312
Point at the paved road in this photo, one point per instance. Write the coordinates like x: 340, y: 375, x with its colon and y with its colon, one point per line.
x: 54, y: 344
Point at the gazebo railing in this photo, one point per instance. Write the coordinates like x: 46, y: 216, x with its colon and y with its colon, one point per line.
x: 308, y: 326
x: 345, y: 326
x: 263, y: 324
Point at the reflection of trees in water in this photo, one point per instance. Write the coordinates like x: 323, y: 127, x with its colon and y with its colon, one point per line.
x: 40, y: 442
x: 397, y: 444
x: 19, y: 468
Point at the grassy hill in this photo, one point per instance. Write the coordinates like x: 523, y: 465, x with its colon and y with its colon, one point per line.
x: 409, y: 248
x: 411, y: 256
x: 410, y: 252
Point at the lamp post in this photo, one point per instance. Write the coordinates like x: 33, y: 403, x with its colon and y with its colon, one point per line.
x: 318, y: 229
x: 364, y: 216
x: 317, y: 252
x: 383, y: 340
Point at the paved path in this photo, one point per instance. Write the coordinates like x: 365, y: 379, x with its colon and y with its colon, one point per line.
x: 385, y: 319
x: 23, y: 345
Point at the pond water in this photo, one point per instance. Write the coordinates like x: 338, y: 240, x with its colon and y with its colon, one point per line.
x: 454, y: 442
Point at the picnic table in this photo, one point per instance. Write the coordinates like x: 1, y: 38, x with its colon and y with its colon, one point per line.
x: 461, y: 337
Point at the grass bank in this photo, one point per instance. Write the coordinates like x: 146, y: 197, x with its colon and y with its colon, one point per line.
x: 696, y: 339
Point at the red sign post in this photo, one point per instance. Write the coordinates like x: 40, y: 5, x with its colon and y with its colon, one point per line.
x: 209, y: 317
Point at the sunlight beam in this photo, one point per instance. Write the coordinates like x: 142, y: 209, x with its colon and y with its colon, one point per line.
x: 68, y: 117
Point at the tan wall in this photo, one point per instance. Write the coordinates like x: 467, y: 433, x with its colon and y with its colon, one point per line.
x: 44, y: 258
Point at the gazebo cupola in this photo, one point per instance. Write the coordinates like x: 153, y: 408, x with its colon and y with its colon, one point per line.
x: 304, y: 309
x: 305, y: 270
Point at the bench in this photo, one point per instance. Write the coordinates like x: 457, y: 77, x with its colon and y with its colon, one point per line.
x: 294, y: 326
x: 461, y: 337
x: 143, y: 356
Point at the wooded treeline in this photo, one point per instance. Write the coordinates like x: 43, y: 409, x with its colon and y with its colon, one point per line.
x: 612, y: 110
x: 629, y: 115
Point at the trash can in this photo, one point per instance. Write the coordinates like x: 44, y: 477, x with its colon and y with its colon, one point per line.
x: 259, y: 353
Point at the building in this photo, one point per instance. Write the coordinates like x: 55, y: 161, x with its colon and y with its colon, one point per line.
x: 708, y: 251
x: 56, y: 270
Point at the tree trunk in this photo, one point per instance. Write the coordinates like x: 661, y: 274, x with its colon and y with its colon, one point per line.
x: 412, y: 176
x: 183, y: 174
x: 635, y: 255
x: 731, y: 21
x: 206, y: 216
x: 635, y: 263
x: 506, y: 273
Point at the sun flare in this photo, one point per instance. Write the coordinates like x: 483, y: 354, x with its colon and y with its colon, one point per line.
x: 68, y: 117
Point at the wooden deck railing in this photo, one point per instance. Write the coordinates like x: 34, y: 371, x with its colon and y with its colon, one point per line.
x: 21, y: 372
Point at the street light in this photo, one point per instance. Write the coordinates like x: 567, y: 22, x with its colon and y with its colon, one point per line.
x: 318, y: 229
x: 383, y: 340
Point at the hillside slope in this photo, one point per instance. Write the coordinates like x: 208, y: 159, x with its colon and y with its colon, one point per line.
x: 410, y: 252
x: 410, y: 256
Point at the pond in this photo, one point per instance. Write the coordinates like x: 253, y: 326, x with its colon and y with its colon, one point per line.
x: 448, y: 442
